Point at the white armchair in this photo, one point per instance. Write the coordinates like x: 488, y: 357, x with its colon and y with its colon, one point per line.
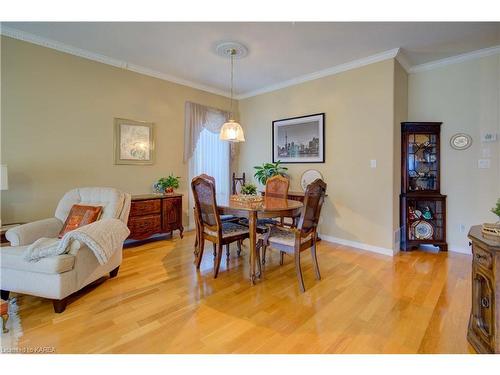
x: 60, y: 276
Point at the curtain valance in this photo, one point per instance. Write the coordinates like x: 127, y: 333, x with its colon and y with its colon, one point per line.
x: 199, y: 117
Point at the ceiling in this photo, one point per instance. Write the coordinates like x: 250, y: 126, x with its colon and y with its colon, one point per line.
x: 278, y: 52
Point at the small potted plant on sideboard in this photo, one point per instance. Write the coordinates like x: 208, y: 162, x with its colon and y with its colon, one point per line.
x: 167, y: 184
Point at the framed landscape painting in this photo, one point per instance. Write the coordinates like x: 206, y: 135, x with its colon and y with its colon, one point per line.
x: 134, y: 142
x: 299, y: 139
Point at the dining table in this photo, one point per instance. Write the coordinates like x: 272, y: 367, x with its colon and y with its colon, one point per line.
x: 257, y: 208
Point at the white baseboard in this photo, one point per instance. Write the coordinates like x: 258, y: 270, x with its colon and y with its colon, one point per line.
x: 460, y: 250
x: 358, y: 245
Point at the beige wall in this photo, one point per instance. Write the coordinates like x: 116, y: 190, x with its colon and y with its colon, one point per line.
x: 57, y: 115
x: 400, y: 115
x: 359, y: 107
x: 465, y: 97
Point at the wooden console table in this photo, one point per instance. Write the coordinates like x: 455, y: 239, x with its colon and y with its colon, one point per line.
x: 484, y: 323
x: 152, y: 214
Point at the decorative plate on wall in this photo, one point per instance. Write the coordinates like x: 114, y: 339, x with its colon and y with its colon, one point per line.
x: 309, y: 176
x: 461, y: 141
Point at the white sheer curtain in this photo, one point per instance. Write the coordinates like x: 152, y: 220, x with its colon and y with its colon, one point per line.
x: 211, y: 156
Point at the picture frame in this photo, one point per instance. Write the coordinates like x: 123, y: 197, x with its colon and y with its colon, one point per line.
x: 134, y: 142
x: 299, y: 139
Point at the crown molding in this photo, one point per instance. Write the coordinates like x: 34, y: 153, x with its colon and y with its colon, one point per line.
x: 403, y: 60
x: 390, y: 54
x: 396, y: 53
x: 485, y: 52
x: 62, y: 47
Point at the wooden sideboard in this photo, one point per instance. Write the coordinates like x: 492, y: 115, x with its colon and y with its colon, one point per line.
x: 152, y: 214
x: 484, y: 322
x: 293, y: 195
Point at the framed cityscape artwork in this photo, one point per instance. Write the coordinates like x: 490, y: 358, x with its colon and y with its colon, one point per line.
x: 134, y: 142
x: 299, y: 139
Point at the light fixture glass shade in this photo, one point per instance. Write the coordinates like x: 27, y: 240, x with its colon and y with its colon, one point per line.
x: 232, y: 131
x: 4, y: 178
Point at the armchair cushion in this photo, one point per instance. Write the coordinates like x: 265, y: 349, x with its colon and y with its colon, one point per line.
x: 112, y: 201
x: 80, y: 215
x: 26, y: 234
x: 13, y: 258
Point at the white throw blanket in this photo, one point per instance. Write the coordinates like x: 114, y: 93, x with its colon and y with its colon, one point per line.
x: 103, y: 237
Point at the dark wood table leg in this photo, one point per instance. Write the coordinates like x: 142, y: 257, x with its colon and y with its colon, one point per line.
x: 252, y: 232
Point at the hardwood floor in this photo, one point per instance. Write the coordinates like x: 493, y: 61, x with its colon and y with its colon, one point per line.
x: 366, y: 303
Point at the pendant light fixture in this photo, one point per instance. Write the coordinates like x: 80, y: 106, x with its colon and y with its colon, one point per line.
x: 231, y: 131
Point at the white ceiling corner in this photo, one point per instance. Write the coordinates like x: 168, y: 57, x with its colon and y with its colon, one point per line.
x: 485, y: 52
x: 403, y: 60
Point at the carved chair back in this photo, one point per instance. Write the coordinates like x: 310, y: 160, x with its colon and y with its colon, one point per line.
x: 207, y: 177
x: 203, y: 188
x: 238, y: 182
x: 313, y: 201
x: 277, y: 187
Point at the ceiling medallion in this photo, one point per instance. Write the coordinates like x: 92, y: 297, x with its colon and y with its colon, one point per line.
x: 225, y: 49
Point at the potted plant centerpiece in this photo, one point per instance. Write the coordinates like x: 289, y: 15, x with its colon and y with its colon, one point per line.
x: 248, y: 193
x: 167, y: 184
x: 248, y: 189
x: 267, y: 170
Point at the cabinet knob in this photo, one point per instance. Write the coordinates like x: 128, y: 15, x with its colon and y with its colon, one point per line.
x: 485, y: 302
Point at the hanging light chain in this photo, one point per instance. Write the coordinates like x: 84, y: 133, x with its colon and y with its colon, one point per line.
x: 232, y: 52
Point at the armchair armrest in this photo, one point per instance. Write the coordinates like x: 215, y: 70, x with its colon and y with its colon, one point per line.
x: 26, y: 234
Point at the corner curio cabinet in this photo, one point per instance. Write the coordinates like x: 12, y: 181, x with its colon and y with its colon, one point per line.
x: 422, y: 207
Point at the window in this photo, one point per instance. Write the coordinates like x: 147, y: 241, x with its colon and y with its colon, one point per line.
x: 211, y: 156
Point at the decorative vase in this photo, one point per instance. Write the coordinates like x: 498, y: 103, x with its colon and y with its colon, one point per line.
x: 169, y: 190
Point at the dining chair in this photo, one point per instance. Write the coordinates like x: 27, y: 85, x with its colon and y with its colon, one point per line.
x: 276, y: 187
x: 223, y: 219
x: 209, y: 224
x: 238, y: 182
x: 295, y: 240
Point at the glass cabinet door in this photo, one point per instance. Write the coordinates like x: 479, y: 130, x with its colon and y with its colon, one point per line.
x: 425, y: 219
x: 422, y: 162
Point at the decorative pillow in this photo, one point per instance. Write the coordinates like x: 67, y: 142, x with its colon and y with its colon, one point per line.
x: 79, y: 216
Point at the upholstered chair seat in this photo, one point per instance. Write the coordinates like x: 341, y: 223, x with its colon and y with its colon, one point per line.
x: 284, y: 236
x: 229, y: 229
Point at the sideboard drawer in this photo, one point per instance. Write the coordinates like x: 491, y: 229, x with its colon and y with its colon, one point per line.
x: 145, y: 207
x: 144, y: 226
x: 154, y: 214
x: 482, y: 257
